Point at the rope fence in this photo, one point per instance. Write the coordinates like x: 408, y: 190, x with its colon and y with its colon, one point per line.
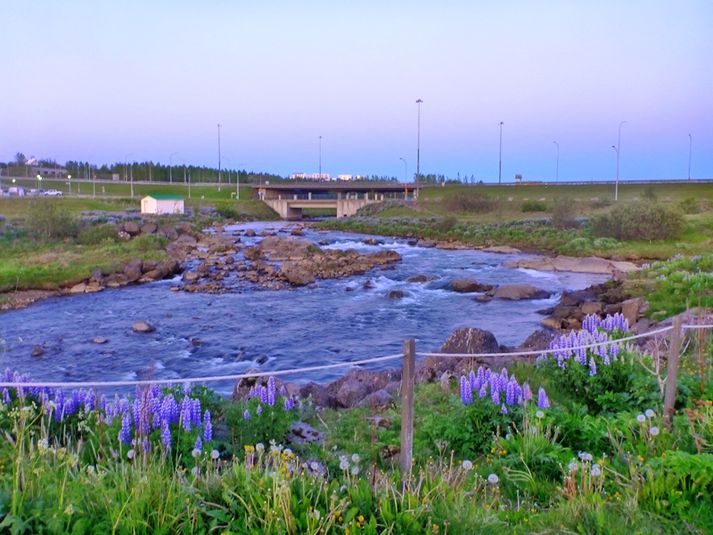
x: 307, y: 369
x: 408, y: 377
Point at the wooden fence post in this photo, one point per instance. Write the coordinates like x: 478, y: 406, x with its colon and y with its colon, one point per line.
x: 672, y: 373
x: 407, y: 384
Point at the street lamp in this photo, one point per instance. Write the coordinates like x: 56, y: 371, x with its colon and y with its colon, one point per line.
x: 39, y: 181
x: 418, y: 142
x: 690, y: 153
x: 618, y: 151
x: 126, y: 176
x: 219, y: 173
x: 500, y: 155
x: 557, y: 169
x: 170, y: 167
x: 405, y: 169
x: 69, y: 183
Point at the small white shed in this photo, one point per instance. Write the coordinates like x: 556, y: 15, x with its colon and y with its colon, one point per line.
x: 162, y: 204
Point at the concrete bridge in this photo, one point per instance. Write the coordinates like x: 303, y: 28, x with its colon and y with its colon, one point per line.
x: 289, y: 199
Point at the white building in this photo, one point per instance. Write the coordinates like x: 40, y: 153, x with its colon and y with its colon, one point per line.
x: 162, y: 204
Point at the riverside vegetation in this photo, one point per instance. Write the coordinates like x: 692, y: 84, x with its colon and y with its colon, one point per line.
x: 573, y: 444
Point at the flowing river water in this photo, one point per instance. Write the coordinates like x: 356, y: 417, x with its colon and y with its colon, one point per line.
x: 252, y: 328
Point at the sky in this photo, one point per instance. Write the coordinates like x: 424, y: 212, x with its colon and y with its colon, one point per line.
x: 109, y: 81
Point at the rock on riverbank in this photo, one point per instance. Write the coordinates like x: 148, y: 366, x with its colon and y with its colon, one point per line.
x: 590, y: 264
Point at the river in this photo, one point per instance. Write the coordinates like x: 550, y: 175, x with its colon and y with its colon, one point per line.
x: 252, y: 328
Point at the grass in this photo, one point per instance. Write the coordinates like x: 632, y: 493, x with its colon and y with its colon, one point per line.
x: 28, y: 265
x: 486, y: 219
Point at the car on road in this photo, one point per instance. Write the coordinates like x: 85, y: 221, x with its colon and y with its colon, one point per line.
x: 52, y: 193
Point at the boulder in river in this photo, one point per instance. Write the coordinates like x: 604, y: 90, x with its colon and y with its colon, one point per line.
x: 297, y: 274
x: 515, y: 292
x: 99, y: 340
x: 420, y: 278
x: 469, y: 285
x: 396, y: 294
x: 38, y: 351
x: 142, y: 327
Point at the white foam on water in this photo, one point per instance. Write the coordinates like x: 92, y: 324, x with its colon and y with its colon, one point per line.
x: 535, y: 274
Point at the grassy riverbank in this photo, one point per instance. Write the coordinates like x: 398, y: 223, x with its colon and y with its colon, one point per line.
x: 45, y: 244
x: 594, y: 457
x: 570, y: 220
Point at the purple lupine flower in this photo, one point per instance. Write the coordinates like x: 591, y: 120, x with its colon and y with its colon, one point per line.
x: 207, y: 427
x: 289, y: 403
x: 283, y: 390
x: 246, y: 414
x: 592, y: 367
x: 511, y: 392
x: 466, y: 392
x: 199, y: 444
x: 271, y: 390
x: 196, y: 412
x: 542, y: 401
x: 494, y: 395
x: 125, y: 431
x: 262, y: 392
x: 503, y: 409
x: 165, y: 434
x: 483, y: 390
x: 473, y: 380
x: 526, y: 392
x: 186, y: 414
x: 258, y: 411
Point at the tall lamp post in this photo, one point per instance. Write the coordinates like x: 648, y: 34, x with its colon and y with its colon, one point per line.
x: 557, y: 168
x: 126, y: 160
x: 39, y: 181
x: 320, y: 157
x: 418, y: 142
x: 618, y: 152
x: 690, y: 153
x: 405, y: 169
x: 170, y: 167
x: 500, y: 155
x: 219, y: 172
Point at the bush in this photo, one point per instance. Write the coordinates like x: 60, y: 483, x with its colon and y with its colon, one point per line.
x: 96, y: 234
x: 638, y: 221
x: 691, y: 205
x: 534, y: 206
x: 46, y: 220
x: 564, y: 213
x: 470, y: 201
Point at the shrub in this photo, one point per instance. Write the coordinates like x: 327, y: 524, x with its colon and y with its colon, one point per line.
x: 46, y: 220
x: 470, y: 201
x: 227, y: 212
x: 564, y: 213
x: 649, y: 193
x: 691, y: 205
x: 638, y: 221
x: 534, y: 206
x: 96, y: 234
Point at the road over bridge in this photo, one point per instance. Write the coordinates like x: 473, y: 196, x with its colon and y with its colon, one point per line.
x: 289, y: 199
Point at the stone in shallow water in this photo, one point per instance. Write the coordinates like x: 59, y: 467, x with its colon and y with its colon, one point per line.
x: 99, y: 340
x: 142, y: 327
